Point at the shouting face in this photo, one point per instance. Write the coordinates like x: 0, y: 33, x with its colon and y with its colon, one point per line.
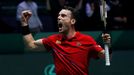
x: 65, y: 21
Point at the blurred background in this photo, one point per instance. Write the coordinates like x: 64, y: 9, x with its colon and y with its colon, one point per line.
x: 16, y: 60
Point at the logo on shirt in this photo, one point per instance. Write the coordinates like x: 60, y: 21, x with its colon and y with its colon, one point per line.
x: 78, y: 44
x: 97, y: 46
x: 58, y: 42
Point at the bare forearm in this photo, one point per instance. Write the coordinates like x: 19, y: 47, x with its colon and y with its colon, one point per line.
x: 31, y: 44
x: 29, y: 41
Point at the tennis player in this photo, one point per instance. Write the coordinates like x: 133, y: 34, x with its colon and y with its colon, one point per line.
x: 71, y: 49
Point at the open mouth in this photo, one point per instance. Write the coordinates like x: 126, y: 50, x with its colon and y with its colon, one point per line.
x: 60, y: 25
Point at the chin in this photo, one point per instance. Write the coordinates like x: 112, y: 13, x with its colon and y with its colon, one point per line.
x: 62, y: 32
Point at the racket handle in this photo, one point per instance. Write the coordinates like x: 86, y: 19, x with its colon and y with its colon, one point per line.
x: 107, y: 59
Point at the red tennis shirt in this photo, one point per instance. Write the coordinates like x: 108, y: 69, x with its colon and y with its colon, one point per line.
x: 72, y: 55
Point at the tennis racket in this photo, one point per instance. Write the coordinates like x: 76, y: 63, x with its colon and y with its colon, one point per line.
x: 103, y: 13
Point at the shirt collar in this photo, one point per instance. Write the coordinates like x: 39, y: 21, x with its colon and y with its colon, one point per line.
x: 63, y: 37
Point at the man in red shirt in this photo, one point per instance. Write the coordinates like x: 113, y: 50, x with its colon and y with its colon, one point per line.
x: 71, y: 49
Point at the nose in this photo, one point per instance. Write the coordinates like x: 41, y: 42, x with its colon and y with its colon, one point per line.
x: 59, y: 17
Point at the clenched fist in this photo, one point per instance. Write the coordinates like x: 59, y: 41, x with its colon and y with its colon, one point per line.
x: 25, y: 15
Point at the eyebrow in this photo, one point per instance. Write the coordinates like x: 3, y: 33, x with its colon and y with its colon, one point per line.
x: 62, y: 14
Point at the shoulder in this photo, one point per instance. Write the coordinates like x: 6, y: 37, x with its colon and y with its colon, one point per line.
x: 53, y: 36
x: 51, y: 39
x: 85, y: 36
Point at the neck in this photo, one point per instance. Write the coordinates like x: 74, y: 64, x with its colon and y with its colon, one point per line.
x: 71, y: 33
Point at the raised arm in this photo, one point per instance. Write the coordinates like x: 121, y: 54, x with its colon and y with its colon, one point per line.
x: 29, y: 41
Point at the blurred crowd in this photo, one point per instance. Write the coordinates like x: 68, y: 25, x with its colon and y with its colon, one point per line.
x: 44, y: 18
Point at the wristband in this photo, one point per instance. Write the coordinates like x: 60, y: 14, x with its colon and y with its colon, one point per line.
x: 25, y: 30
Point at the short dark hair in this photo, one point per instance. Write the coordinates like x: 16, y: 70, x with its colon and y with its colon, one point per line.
x: 73, y: 11
x: 75, y: 15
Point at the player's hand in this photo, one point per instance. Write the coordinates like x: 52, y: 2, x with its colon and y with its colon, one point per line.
x: 25, y: 15
x: 106, y: 38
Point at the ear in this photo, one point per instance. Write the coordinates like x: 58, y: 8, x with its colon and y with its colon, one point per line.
x: 73, y: 21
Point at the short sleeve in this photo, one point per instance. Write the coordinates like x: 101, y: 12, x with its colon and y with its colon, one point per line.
x: 46, y: 44
x: 95, y: 48
x: 49, y: 42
